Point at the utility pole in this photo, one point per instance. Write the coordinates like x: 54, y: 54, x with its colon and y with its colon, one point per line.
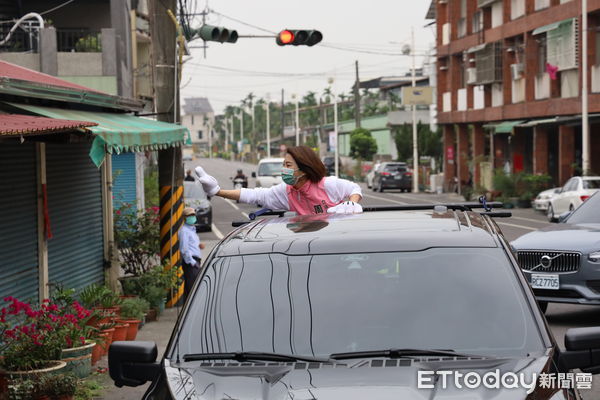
x: 242, y: 134
x: 297, y: 119
x: 231, y: 138
x: 336, y: 154
x: 268, y: 108
x: 585, y: 123
x: 170, y: 164
x: 356, y: 97
x: 209, y: 140
x: 414, y: 121
x: 282, y: 114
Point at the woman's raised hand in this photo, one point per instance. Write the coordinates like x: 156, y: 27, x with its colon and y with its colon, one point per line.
x: 347, y: 207
x: 209, y: 183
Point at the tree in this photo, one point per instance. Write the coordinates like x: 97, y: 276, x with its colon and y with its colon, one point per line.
x: 362, y: 144
x: 430, y: 142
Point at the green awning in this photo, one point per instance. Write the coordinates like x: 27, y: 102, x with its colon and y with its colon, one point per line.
x: 506, y: 126
x: 118, y: 133
x: 546, y: 28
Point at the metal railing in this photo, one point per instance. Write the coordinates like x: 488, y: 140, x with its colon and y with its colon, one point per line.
x: 78, y: 40
x: 26, y: 38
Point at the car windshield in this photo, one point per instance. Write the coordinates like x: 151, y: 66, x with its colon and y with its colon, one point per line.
x: 467, y: 300
x: 269, y: 169
x: 591, y: 183
x: 193, y: 191
x: 587, y: 213
x: 395, y: 167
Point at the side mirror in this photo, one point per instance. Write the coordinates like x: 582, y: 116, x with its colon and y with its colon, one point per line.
x: 132, y: 363
x: 254, y: 174
x: 582, y: 350
x: 563, y: 217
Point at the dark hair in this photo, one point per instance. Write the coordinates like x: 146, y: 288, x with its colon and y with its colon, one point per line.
x: 308, y: 162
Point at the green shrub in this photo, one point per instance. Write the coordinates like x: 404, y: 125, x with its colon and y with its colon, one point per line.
x: 134, y: 308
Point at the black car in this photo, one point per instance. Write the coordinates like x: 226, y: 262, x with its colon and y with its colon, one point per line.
x: 392, y: 175
x: 329, y: 162
x: 357, y: 307
x: 195, y: 197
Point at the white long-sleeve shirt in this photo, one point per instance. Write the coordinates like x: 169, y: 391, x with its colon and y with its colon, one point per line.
x: 276, y: 197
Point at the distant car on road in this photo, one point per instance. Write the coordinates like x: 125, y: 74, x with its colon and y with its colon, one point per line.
x: 542, y: 200
x: 562, y: 261
x: 392, y: 175
x: 371, y: 175
x: 356, y: 307
x: 571, y: 195
x: 195, y: 197
x: 269, y: 172
x: 187, y: 154
x: 329, y: 162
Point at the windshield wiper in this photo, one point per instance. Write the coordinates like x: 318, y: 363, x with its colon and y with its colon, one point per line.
x: 242, y: 356
x: 399, y: 353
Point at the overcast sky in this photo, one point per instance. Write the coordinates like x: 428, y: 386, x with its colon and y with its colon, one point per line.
x: 231, y: 71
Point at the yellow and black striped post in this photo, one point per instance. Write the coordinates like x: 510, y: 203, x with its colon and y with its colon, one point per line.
x: 171, y: 218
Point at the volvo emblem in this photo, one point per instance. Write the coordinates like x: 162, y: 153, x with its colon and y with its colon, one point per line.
x: 546, y: 261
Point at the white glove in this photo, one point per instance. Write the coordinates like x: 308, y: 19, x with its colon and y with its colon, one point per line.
x: 209, y: 183
x: 347, y: 207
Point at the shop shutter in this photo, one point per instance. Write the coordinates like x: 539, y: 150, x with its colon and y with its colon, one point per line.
x: 124, y: 182
x: 18, y: 222
x: 76, y: 252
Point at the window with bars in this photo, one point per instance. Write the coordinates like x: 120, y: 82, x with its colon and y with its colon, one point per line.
x: 489, y: 63
x: 562, y: 44
x: 478, y: 21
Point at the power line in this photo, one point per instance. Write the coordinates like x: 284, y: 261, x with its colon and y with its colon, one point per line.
x: 43, y: 12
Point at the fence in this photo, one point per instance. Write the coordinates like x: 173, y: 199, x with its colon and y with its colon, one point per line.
x: 24, y: 39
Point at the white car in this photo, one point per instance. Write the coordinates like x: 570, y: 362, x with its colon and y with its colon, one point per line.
x: 269, y: 172
x: 543, y: 199
x: 371, y: 175
x: 572, y: 195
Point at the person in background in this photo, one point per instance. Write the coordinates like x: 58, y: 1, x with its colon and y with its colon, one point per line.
x: 305, y: 188
x: 240, y: 175
x: 190, y: 248
x: 189, y: 176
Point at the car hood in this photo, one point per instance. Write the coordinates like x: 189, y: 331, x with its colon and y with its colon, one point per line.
x: 576, y: 237
x: 355, y: 379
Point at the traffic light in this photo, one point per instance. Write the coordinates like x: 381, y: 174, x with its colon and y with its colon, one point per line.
x: 211, y: 33
x: 297, y: 37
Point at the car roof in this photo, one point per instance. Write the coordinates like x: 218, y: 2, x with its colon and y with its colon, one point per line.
x: 264, y: 160
x: 379, y: 231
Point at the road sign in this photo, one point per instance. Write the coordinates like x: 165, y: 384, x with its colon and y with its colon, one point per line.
x: 417, y: 96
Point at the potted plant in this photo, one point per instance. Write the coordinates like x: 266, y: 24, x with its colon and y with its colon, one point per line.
x: 62, y: 386
x: 121, y: 329
x: 31, y: 342
x: 101, y: 299
x: 107, y: 331
x: 132, y: 313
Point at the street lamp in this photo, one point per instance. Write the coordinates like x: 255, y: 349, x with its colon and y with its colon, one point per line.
x: 267, y: 108
x: 335, y: 127
x: 585, y: 128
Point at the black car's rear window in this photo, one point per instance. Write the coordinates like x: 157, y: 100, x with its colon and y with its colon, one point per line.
x: 395, y: 167
x: 467, y: 299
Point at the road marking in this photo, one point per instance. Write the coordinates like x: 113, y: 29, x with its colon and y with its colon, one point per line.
x: 232, y: 204
x: 517, y: 226
x: 385, y: 199
x: 217, y: 232
x: 531, y: 220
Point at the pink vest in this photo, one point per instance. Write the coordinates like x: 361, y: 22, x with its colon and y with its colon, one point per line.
x: 311, y: 198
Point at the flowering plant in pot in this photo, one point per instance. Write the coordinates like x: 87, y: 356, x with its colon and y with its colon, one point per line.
x: 61, y: 386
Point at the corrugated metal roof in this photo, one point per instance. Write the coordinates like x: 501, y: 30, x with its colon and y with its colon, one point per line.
x: 15, y: 124
x: 13, y: 71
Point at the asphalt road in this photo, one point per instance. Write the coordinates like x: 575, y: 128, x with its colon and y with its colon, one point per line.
x: 560, y: 317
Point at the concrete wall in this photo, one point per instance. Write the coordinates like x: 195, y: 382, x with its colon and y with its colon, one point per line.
x: 27, y: 60
x: 105, y: 84
x: 198, y: 125
x: 80, y: 64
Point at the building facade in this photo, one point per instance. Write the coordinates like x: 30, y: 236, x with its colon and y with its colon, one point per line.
x: 199, y: 118
x: 509, y: 76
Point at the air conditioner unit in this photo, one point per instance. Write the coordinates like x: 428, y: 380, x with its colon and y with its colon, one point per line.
x: 471, y: 76
x: 516, y: 71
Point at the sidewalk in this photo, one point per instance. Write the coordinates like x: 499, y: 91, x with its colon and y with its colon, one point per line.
x: 158, y: 332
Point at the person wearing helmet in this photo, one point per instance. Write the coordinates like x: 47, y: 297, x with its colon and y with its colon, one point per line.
x: 244, y: 178
x: 305, y: 188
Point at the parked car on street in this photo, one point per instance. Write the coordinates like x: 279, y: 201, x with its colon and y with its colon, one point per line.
x: 562, y: 261
x: 195, y: 197
x: 371, y: 175
x: 356, y: 307
x: 392, y: 175
x: 541, y: 201
x: 572, y: 195
x: 269, y: 172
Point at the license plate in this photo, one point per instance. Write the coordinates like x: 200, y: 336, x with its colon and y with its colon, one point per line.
x: 398, y: 177
x: 545, y: 281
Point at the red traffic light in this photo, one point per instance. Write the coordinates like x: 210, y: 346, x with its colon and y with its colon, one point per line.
x: 285, y: 37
